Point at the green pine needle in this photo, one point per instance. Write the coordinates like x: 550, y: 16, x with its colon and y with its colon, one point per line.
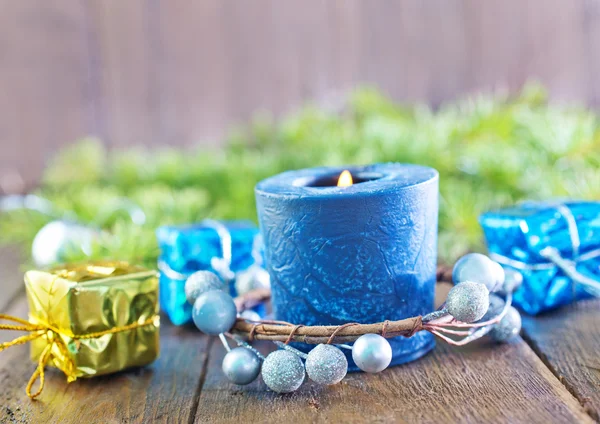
x: 490, y: 151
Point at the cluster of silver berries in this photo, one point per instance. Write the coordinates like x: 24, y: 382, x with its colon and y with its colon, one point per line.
x: 475, y: 297
x: 283, y: 370
x: 477, y: 278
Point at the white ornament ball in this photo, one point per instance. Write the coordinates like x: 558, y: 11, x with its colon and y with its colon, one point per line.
x: 52, y: 241
x: 283, y: 371
x: 477, y: 268
x: 326, y: 364
x: 372, y: 353
x: 468, y: 301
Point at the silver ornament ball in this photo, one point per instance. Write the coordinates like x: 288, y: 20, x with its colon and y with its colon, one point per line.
x: 513, y: 281
x: 468, y: 301
x: 477, y: 268
x: 495, y: 308
x: 283, y: 371
x: 508, y: 327
x: 201, y: 282
x: 371, y: 353
x: 500, y: 276
x: 250, y: 315
x: 326, y: 364
x: 214, y: 312
x: 241, y: 366
x: 255, y: 277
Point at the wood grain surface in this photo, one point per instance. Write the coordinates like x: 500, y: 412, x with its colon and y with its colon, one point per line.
x: 568, y: 341
x: 478, y: 383
x: 166, y: 391
x: 11, y: 277
x: 482, y: 382
x: 181, y: 73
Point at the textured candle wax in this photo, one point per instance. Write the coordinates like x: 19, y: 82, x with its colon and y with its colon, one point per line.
x: 364, y: 253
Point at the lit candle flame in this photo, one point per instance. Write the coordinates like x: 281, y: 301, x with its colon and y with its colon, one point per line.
x: 345, y: 179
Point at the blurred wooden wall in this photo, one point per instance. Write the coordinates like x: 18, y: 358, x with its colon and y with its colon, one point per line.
x: 182, y: 72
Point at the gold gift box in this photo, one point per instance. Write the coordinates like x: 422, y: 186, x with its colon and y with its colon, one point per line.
x: 101, y: 317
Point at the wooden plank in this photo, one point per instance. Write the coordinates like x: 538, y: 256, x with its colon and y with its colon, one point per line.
x: 165, y: 391
x: 479, y: 383
x: 568, y: 341
x: 122, y: 47
x: 512, y: 42
x: 183, y: 72
x: 221, y: 62
x: 556, y: 53
x: 11, y: 278
x: 192, y: 60
x: 43, y: 84
x: 482, y: 382
x: 420, y: 52
x: 591, y: 17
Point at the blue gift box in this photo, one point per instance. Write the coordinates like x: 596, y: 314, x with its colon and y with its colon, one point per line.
x: 556, y: 247
x: 191, y: 248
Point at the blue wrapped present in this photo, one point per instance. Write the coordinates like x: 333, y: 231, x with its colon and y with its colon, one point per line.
x: 555, y: 246
x: 222, y: 247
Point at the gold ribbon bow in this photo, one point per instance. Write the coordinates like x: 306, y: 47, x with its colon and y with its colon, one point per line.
x: 52, y: 336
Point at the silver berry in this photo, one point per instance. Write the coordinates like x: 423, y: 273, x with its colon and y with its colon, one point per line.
x: 214, y: 312
x: 283, y: 371
x: 500, y: 276
x: 477, y: 268
x: 508, y: 327
x: 513, y: 281
x: 250, y: 315
x: 255, y: 277
x: 371, y: 353
x: 326, y: 364
x: 468, y: 301
x: 200, y: 282
x: 495, y: 308
x: 241, y: 366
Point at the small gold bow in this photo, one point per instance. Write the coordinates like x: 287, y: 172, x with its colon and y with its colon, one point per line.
x: 52, y: 335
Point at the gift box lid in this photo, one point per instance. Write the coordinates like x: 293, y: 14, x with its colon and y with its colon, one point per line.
x: 521, y: 232
x: 189, y: 248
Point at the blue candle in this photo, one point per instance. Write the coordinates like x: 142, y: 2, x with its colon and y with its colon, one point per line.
x: 363, y: 253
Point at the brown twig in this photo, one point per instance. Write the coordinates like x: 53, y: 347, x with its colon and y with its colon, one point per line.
x: 287, y: 332
x: 322, y: 333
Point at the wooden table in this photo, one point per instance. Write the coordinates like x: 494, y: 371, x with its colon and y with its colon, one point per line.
x: 551, y: 374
